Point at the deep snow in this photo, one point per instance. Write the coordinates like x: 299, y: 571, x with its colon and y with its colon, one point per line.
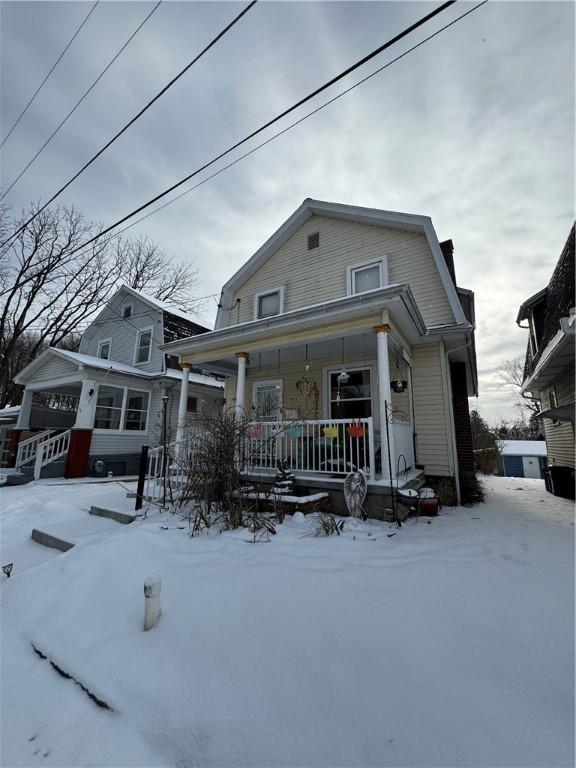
x: 450, y: 643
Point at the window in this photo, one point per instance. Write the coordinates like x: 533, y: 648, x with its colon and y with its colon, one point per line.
x: 109, y: 407
x: 120, y: 407
x: 553, y: 403
x: 144, y: 346
x: 268, y: 400
x: 127, y: 310
x: 269, y: 304
x: 104, y: 349
x: 314, y: 241
x: 367, y: 276
x: 192, y: 405
x: 136, y: 410
x: 352, y: 399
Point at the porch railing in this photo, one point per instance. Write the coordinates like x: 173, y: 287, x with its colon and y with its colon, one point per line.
x: 50, y: 450
x: 319, y: 446
x: 27, y: 448
x: 167, y: 466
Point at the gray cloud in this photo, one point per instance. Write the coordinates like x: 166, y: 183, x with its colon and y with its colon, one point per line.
x: 475, y: 129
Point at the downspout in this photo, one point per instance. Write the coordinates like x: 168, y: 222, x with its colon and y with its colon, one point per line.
x: 452, y: 423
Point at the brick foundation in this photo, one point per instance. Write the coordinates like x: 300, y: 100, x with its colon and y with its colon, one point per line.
x: 78, y: 453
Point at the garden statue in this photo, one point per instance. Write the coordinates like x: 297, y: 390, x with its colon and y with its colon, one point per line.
x: 355, y: 488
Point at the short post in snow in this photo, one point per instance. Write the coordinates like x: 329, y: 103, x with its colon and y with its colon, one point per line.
x: 152, y: 587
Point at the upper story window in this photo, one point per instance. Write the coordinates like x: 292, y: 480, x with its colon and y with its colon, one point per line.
x: 367, y: 276
x: 127, y: 310
x: 269, y: 304
x: 143, y: 346
x: 104, y: 348
x: 314, y: 240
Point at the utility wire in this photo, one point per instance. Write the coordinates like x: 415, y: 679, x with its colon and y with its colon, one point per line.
x: 266, y: 125
x: 293, y: 125
x: 297, y: 122
x: 81, y: 99
x: 37, y: 91
x: 205, y: 50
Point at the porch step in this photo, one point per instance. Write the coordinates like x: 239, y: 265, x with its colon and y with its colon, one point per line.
x: 111, y: 514
x: 17, y: 478
x: 47, y: 540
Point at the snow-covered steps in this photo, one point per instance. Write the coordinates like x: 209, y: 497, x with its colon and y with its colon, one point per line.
x: 54, y: 542
x: 120, y: 517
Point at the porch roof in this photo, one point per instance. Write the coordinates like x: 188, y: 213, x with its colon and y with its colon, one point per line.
x: 349, y: 313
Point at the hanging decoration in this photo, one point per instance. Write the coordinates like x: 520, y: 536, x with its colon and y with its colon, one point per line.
x: 343, y: 377
x: 307, y: 362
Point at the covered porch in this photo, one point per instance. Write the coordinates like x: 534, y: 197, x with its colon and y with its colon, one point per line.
x: 327, y: 393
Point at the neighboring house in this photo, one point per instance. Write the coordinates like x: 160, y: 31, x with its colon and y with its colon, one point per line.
x: 522, y: 458
x: 344, y: 315
x: 90, y: 412
x: 549, y: 368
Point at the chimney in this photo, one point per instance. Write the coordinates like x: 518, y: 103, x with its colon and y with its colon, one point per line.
x: 447, y: 248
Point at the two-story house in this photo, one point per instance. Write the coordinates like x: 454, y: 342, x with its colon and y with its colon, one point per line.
x: 346, y: 342
x: 549, y: 369
x: 90, y: 412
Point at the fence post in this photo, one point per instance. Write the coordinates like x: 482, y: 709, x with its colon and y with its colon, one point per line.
x: 141, y: 477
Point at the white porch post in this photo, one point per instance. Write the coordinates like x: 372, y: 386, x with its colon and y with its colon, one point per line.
x: 23, y: 421
x: 384, y: 399
x: 86, y: 405
x: 183, y: 404
x: 241, y: 383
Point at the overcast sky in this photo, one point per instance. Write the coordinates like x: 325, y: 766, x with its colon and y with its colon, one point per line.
x: 474, y: 129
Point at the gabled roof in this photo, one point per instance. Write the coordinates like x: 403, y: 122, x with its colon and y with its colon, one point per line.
x: 390, y: 219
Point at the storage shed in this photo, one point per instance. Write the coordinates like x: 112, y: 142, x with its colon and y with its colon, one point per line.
x: 523, y: 458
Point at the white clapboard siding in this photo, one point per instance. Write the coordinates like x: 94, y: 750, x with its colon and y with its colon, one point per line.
x: 53, y: 368
x: 123, y: 333
x: 431, y: 411
x: 560, y: 437
x: 310, y: 277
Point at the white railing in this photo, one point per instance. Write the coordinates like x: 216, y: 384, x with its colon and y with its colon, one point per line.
x: 167, y: 467
x: 319, y: 446
x: 50, y: 450
x: 27, y: 448
x: 403, y: 434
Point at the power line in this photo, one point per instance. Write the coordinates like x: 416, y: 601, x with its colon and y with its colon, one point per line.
x: 274, y: 120
x: 81, y: 99
x: 37, y: 91
x: 297, y: 122
x: 205, y: 50
x: 293, y: 125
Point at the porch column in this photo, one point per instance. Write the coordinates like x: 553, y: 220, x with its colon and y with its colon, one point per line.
x: 242, y: 357
x: 86, y: 405
x: 385, y: 400
x: 183, y: 404
x: 23, y: 421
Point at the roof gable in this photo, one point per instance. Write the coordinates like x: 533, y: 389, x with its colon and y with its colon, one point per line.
x: 389, y: 219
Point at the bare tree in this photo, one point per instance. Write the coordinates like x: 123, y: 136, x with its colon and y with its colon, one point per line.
x: 49, y: 290
x: 511, y: 373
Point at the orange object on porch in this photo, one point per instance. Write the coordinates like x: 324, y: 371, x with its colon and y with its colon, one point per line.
x: 356, y: 430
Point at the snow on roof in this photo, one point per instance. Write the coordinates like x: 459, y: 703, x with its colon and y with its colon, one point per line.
x: 10, y: 410
x: 522, y: 447
x: 164, y: 306
x: 99, y: 362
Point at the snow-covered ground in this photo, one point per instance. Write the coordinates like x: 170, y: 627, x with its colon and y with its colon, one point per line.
x: 450, y: 643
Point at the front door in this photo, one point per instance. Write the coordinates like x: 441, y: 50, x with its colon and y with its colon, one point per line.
x: 268, y: 400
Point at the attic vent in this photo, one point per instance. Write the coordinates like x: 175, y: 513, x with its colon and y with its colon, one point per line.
x: 313, y: 240
x: 126, y: 311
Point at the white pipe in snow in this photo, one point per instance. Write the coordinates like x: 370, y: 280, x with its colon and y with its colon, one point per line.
x: 152, y: 587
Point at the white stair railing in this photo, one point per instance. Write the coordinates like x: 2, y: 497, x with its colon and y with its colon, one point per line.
x: 50, y: 450
x: 168, y: 467
x: 27, y: 448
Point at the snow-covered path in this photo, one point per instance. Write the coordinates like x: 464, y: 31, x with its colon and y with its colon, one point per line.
x: 450, y: 643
